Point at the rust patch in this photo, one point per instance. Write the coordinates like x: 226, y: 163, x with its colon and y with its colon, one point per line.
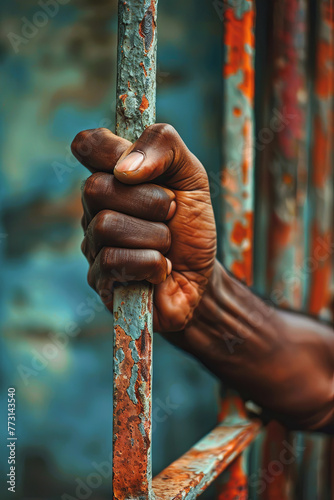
x: 144, y: 104
x: 131, y: 419
x: 144, y: 69
x: 147, y: 27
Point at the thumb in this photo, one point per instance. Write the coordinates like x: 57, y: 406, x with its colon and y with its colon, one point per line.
x: 160, y: 153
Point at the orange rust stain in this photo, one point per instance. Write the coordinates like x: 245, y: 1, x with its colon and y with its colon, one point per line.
x: 321, y: 252
x: 229, y: 405
x: 287, y: 179
x: 273, y: 447
x: 242, y: 269
x: 123, y: 97
x: 141, y: 33
x: 129, y: 455
x: 239, y: 233
x: 237, y: 485
x: 144, y: 104
x: 143, y: 66
x: 238, y: 34
x: 247, y: 162
x: 237, y: 111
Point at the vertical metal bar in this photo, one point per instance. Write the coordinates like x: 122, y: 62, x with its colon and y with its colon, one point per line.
x: 316, y: 481
x: 286, y: 160
x: 133, y: 330
x: 322, y: 160
x: 237, y: 176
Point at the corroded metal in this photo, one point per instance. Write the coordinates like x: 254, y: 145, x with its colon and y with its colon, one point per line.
x: 238, y: 152
x: 190, y: 475
x: 285, y: 157
x: 136, y: 70
x: 133, y: 328
x: 238, y: 172
x: 132, y: 474
x: 322, y: 240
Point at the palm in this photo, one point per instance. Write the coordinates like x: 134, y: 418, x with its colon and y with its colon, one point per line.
x: 192, y: 255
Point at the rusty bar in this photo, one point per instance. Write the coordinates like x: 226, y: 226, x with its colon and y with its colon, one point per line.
x: 321, y: 249
x: 318, y: 458
x: 133, y: 330
x: 287, y: 158
x: 237, y: 175
x: 285, y: 164
x: 191, y: 474
x: 238, y: 129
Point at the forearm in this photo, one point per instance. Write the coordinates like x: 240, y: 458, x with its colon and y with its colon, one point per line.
x: 282, y: 361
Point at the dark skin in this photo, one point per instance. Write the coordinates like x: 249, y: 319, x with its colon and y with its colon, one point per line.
x: 148, y: 216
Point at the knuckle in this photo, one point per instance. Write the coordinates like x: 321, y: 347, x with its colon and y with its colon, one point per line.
x: 93, y: 186
x: 165, y: 238
x: 90, y: 278
x: 164, y: 130
x: 81, y: 143
x: 156, y: 263
x: 105, y: 259
x: 99, y: 223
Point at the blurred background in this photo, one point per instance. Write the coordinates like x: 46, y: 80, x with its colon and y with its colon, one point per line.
x: 58, y: 77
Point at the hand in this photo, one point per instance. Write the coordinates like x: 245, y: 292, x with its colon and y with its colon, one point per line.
x: 163, y: 232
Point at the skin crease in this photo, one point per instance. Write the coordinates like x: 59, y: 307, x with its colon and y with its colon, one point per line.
x: 148, y: 216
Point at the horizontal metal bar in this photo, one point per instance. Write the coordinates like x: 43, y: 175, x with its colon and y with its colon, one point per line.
x: 190, y: 475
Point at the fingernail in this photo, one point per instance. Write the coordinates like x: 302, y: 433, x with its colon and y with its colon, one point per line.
x: 130, y: 163
x: 171, y: 210
x: 169, y: 266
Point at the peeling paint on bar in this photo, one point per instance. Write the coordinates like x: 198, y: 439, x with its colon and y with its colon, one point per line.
x: 132, y: 395
x: 237, y: 179
x: 286, y: 157
x: 191, y: 474
x: 133, y: 330
x: 286, y: 161
x: 136, y: 83
x: 323, y: 158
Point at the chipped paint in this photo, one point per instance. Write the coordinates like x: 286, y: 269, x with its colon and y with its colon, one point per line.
x: 132, y: 395
x: 237, y: 180
x: 323, y: 159
x: 133, y: 329
x: 136, y: 82
x: 191, y: 474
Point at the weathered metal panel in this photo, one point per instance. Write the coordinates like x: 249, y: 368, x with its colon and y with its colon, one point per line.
x: 133, y: 328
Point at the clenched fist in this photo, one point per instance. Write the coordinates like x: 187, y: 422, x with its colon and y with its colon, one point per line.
x: 147, y: 216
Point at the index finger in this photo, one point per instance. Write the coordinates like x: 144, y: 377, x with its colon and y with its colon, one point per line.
x: 99, y: 149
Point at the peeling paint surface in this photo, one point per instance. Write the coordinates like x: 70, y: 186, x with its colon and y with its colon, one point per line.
x: 237, y: 182
x: 132, y: 394
x: 136, y: 67
x: 133, y: 328
x: 190, y: 475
